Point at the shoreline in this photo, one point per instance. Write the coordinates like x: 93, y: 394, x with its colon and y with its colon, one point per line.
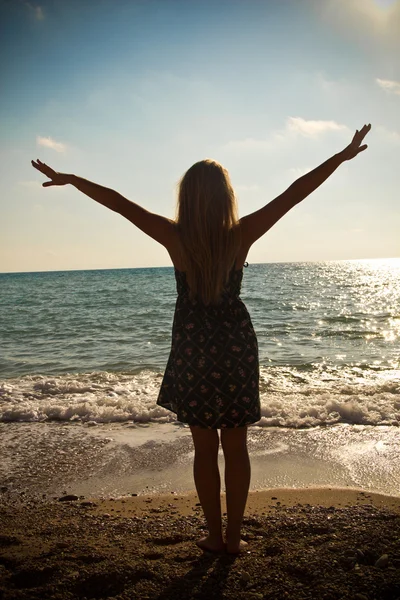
x: 259, y: 502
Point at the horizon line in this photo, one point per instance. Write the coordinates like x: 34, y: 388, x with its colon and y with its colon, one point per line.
x: 172, y: 266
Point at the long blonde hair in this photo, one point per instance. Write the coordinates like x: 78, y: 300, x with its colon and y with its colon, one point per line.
x: 207, y: 220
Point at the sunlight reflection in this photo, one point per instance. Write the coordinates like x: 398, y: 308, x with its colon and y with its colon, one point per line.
x: 384, y: 3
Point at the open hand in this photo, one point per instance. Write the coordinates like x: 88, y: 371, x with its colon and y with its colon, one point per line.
x: 355, y: 147
x: 56, y: 178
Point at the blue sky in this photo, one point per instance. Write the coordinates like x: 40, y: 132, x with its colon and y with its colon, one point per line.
x: 131, y: 93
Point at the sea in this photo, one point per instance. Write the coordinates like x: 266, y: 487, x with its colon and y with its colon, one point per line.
x: 90, y: 347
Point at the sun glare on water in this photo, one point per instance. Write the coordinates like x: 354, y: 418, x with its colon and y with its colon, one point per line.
x: 378, y: 290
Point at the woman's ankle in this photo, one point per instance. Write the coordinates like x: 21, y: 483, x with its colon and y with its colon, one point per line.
x: 233, y: 533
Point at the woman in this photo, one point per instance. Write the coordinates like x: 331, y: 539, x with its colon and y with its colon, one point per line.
x: 211, y: 379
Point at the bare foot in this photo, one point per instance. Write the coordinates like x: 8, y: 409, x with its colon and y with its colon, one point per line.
x: 236, y: 548
x: 210, y: 545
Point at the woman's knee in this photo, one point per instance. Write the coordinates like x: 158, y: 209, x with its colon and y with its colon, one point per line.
x: 206, y: 441
x: 234, y: 440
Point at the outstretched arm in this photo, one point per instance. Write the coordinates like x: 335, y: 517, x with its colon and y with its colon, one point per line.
x: 158, y: 227
x: 259, y: 222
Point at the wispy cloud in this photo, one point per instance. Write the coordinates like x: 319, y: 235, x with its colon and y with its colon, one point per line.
x: 37, y: 11
x: 312, y: 128
x: 48, y: 142
x: 299, y: 171
x: 294, y: 127
x: 393, y: 87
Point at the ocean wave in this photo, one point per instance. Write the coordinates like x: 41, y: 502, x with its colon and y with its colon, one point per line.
x: 290, y: 397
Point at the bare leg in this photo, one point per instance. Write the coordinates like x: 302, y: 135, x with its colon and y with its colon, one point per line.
x: 208, y: 485
x: 237, y: 482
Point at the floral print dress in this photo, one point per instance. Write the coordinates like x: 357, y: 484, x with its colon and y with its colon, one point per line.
x: 212, y: 375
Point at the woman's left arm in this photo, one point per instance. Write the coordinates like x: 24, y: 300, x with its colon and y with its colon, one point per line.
x: 156, y: 226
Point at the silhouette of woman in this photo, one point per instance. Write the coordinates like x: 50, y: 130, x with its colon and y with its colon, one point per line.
x: 211, y: 378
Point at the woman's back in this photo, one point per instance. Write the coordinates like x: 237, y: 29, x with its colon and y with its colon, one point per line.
x: 231, y: 290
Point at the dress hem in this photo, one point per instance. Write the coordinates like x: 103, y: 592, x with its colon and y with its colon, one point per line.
x: 252, y: 422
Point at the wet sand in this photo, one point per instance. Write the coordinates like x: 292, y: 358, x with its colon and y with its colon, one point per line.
x: 120, y: 459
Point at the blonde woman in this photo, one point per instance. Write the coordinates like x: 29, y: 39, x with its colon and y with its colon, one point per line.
x: 211, y: 379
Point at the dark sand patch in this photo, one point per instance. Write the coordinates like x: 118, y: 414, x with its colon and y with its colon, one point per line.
x: 303, y: 544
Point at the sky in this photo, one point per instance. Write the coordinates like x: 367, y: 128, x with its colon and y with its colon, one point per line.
x: 130, y: 94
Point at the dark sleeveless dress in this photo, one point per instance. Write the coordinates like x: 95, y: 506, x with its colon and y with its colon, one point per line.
x: 212, y: 375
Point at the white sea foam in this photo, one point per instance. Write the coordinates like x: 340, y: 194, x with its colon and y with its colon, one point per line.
x: 289, y: 398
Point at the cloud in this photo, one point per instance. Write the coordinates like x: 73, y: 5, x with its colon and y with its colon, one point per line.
x: 299, y: 171
x: 388, y: 85
x: 48, y: 142
x: 294, y: 127
x: 312, y: 128
x: 37, y: 11
x: 39, y: 15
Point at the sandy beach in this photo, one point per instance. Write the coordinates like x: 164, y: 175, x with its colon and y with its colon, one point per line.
x: 312, y: 543
x: 110, y: 511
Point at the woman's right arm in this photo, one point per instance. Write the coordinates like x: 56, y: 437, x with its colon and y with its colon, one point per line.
x: 156, y: 226
x: 259, y: 222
